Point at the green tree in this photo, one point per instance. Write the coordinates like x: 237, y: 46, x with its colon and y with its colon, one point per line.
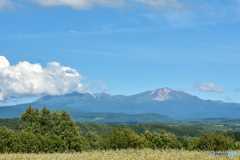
x: 52, y: 143
x: 44, y: 124
x: 6, y: 139
x: 27, y: 142
x: 183, y: 141
x: 30, y: 117
x: 162, y: 140
x: 123, y: 138
x: 212, y: 142
x: 94, y: 139
x: 56, y: 125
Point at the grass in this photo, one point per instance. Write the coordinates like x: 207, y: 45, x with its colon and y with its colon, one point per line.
x: 129, y: 154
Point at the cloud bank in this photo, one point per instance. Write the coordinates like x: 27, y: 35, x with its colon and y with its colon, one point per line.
x: 6, y: 4
x: 25, y: 79
x: 87, y: 4
x: 206, y: 88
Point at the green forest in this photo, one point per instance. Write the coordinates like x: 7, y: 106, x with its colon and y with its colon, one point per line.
x: 44, y: 131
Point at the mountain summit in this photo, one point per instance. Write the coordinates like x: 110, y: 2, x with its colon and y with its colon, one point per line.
x: 164, y: 94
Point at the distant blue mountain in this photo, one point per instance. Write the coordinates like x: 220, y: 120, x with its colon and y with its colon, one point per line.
x: 164, y: 101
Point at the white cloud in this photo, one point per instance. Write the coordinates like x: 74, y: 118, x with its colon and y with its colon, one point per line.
x: 208, y: 87
x: 87, y: 4
x: 4, y: 62
x: 6, y: 4
x: 163, y: 3
x: 101, y: 86
x: 78, y: 4
x: 25, y: 79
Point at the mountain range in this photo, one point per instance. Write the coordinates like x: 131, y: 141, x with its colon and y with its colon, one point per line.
x: 163, y: 101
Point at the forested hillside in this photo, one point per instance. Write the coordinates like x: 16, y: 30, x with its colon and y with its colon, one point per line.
x: 12, y: 123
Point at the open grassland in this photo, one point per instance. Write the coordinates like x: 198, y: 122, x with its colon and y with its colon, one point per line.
x: 129, y: 154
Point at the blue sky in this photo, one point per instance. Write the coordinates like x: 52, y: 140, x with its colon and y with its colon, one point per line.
x: 119, y: 47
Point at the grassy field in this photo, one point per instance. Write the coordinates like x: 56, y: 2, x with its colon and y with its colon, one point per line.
x: 129, y: 154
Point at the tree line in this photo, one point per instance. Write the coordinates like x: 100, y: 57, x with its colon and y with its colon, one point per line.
x: 43, y: 131
x: 100, y: 128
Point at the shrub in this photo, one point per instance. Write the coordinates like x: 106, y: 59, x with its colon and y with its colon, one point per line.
x: 78, y: 144
x: 6, y: 139
x: 162, y: 140
x: 123, y: 138
x: 94, y: 139
x: 213, y: 142
x: 27, y: 142
x: 52, y: 143
x: 183, y: 141
x: 20, y: 141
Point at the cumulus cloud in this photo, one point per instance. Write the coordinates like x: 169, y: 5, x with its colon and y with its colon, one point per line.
x: 206, y: 88
x: 87, y: 4
x: 6, y: 4
x: 26, y: 79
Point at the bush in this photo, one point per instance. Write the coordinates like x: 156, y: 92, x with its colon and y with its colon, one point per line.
x: 20, y: 141
x: 162, y: 140
x: 183, y: 141
x: 78, y: 144
x: 94, y: 139
x: 123, y: 138
x: 27, y: 142
x: 6, y: 139
x: 52, y: 143
x: 213, y: 142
